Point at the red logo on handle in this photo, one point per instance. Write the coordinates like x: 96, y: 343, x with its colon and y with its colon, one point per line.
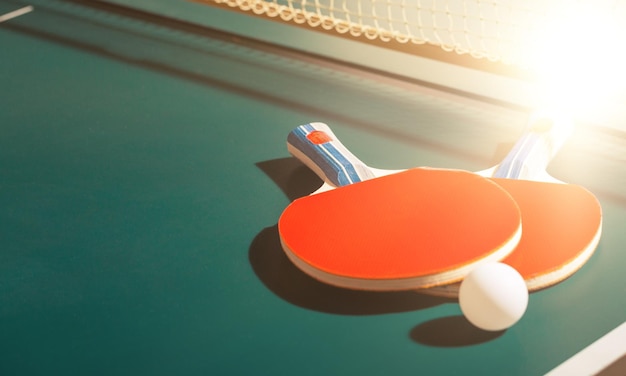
x: 319, y: 137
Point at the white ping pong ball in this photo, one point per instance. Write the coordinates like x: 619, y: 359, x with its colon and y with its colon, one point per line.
x: 493, y: 296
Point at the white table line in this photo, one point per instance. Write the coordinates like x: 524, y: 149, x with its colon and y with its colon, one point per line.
x: 595, y: 357
x: 16, y: 13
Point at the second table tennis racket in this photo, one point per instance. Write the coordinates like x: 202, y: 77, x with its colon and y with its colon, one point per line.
x: 562, y: 223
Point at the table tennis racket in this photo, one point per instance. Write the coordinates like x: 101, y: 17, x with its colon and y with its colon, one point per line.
x: 562, y: 223
x: 392, y: 230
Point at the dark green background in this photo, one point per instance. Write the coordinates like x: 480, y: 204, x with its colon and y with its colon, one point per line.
x: 143, y: 168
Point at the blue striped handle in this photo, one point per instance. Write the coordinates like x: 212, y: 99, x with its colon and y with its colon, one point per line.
x: 532, y: 153
x: 318, y: 147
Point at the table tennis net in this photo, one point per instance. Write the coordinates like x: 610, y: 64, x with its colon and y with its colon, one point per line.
x: 497, y: 30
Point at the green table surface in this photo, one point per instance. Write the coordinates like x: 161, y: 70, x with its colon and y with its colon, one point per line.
x: 143, y: 169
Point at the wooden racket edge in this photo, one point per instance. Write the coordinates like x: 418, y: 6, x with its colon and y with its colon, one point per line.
x: 401, y: 284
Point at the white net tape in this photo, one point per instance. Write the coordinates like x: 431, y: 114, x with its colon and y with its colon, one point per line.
x: 498, y: 30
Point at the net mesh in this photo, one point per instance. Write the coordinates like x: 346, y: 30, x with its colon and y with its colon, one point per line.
x: 498, y: 30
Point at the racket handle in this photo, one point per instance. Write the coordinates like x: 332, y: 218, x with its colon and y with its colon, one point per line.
x: 544, y: 136
x: 316, y: 146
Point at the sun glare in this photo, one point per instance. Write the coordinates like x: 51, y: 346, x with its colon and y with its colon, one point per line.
x: 579, y: 59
